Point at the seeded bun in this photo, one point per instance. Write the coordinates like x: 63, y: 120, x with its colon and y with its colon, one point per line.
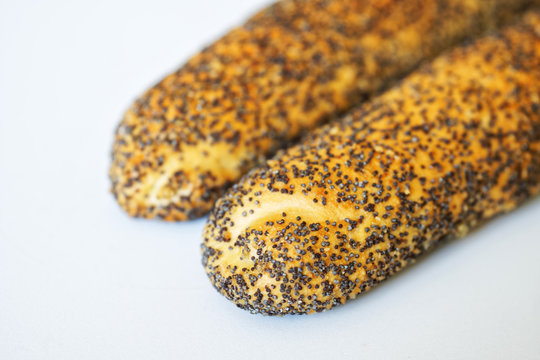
x: 287, y: 69
x: 453, y: 145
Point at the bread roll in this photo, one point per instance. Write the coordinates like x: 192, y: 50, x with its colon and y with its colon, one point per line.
x: 453, y: 145
x: 288, y: 68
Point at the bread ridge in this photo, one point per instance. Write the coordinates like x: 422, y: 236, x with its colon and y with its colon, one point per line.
x: 451, y: 146
x: 290, y: 67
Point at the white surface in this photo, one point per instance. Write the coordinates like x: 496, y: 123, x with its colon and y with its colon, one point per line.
x: 80, y: 280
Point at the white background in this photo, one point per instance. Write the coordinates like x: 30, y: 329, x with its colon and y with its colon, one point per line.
x: 80, y: 280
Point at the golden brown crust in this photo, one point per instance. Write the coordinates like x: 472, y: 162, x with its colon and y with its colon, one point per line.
x: 288, y: 68
x: 453, y: 145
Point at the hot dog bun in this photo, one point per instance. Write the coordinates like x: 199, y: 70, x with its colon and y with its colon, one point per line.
x: 453, y: 145
x: 288, y: 68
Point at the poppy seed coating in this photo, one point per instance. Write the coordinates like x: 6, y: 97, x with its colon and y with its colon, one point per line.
x: 290, y: 67
x: 453, y: 145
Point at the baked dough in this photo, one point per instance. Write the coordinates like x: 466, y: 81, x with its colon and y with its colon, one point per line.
x: 287, y: 69
x: 453, y: 145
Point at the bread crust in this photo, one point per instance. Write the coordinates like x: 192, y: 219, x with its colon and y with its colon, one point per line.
x: 453, y: 145
x: 290, y: 67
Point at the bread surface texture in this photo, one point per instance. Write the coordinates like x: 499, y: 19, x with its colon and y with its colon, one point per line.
x: 287, y: 69
x: 451, y: 146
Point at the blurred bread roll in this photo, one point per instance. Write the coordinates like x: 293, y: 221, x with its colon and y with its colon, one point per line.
x: 287, y: 69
